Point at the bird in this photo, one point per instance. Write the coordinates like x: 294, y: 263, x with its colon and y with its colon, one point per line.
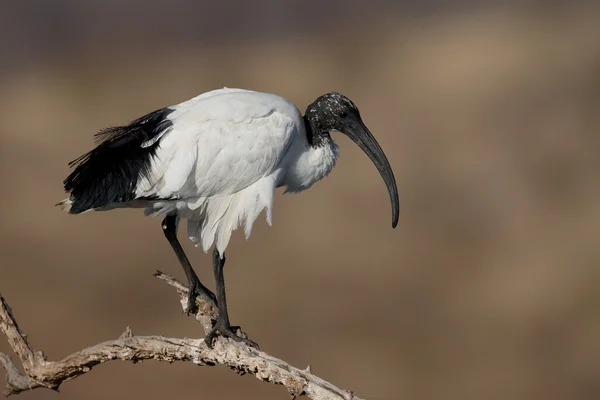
x: 216, y: 160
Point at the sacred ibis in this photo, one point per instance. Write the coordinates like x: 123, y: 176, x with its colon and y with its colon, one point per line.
x: 216, y: 160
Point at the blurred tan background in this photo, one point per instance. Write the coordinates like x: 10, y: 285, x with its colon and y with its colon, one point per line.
x: 490, y: 115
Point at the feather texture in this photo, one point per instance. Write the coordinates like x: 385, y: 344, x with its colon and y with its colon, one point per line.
x: 214, y: 160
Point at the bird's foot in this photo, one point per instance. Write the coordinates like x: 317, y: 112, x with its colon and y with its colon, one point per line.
x: 198, y: 289
x: 229, y: 331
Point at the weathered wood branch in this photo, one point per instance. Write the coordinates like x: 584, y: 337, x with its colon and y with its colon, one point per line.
x: 38, y: 372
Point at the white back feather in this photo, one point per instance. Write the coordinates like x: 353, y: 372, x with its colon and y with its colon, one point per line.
x: 221, y: 161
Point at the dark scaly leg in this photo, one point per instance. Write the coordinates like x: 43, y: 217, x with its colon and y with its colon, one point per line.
x: 222, y: 325
x: 196, y: 288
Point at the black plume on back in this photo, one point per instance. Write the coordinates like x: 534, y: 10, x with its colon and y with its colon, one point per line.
x: 110, y: 172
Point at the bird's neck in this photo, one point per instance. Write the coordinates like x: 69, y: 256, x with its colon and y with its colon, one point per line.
x: 317, y: 137
x: 308, y: 165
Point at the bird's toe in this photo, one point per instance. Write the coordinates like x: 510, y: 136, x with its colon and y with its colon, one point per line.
x: 196, y: 289
x: 228, y: 331
x: 192, y: 306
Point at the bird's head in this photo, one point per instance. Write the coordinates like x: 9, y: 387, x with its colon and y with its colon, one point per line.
x: 332, y: 112
x: 335, y: 112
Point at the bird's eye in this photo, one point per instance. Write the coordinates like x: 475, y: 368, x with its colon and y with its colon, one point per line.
x: 343, y: 114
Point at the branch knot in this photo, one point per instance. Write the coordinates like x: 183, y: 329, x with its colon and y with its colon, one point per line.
x: 243, y: 359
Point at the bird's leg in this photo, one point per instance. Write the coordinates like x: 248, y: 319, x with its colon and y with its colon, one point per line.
x: 222, y: 326
x: 195, y: 287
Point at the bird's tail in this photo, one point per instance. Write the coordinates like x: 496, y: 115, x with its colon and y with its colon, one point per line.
x: 65, y: 205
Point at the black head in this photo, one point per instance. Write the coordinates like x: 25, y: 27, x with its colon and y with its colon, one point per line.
x: 330, y: 112
x: 336, y: 112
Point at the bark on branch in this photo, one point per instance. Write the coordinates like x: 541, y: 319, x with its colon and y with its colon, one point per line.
x: 38, y: 372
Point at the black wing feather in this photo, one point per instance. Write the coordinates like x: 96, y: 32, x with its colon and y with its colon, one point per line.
x: 110, y: 172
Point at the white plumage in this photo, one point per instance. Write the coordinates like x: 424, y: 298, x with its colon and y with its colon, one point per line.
x: 224, y: 156
x: 220, y: 161
x: 216, y: 161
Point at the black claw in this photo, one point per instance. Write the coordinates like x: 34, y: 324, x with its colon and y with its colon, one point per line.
x: 197, y: 289
x: 192, y: 306
x: 229, y: 332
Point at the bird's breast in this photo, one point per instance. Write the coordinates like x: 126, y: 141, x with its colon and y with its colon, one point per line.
x: 308, y: 165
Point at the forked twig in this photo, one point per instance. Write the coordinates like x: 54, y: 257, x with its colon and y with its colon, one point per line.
x: 39, y: 372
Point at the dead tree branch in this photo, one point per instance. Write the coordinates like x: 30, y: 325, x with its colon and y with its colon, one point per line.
x: 39, y: 372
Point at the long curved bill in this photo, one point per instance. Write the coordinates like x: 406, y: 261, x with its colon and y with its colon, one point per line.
x: 360, y: 134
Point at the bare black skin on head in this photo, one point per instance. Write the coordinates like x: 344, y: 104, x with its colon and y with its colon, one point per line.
x: 335, y: 112
x: 326, y: 114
